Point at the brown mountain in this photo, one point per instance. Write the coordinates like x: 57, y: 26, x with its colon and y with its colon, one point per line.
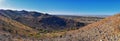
x: 107, y: 29
x: 11, y: 29
x: 41, y: 21
x: 33, y: 26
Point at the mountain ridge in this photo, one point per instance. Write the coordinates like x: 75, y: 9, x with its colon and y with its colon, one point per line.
x: 39, y: 21
x: 27, y: 25
x: 16, y: 24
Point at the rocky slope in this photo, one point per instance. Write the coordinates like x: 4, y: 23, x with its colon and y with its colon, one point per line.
x: 41, y: 21
x: 107, y: 29
x: 34, y: 26
x: 11, y: 29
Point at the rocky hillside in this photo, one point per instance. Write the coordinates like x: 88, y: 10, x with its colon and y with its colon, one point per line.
x: 107, y: 29
x: 33, y: 26
x: 10, y: 29
x: 41, y: 21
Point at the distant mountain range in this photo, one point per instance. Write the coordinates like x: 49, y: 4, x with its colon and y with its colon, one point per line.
x: 39, y: 21
x: 31, y: 25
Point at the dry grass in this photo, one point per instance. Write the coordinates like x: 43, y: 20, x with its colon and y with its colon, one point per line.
x: 18, y: 27
x: 107, y: 29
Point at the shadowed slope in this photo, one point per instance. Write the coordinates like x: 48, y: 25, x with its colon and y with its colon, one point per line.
x: 41, y: 21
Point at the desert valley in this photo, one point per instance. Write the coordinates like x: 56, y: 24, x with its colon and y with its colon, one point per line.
x: 35, y: 26
x: 59, y: 20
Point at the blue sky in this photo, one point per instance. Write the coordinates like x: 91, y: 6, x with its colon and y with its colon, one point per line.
x: 65, y: 7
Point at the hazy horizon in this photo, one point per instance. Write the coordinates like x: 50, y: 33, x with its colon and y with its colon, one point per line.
x: 65, y: 7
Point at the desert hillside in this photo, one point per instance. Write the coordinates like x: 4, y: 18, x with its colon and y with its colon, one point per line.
x: 41, y: 21
x: 12, y: 29
x: 59, y: 20
x: 107, y: 29
x: 34, y: 26
x: 49, y: 23
x: 30, y: 25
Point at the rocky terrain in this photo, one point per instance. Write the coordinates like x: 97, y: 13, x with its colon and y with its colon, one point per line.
x: 40, y: 21
x: 107, y: 29
x: 33, y: 26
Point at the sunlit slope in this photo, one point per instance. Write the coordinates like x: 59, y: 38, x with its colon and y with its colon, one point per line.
x: 15, y: 27
x: 107, y: 29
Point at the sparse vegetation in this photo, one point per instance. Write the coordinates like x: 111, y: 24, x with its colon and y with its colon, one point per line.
x: 24, y: 25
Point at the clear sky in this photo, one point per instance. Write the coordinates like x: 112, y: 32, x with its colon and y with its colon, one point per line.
x: 65, y: 7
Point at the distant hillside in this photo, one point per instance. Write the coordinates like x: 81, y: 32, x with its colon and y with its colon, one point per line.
x: 107, y: 29
x: 83, y: 19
